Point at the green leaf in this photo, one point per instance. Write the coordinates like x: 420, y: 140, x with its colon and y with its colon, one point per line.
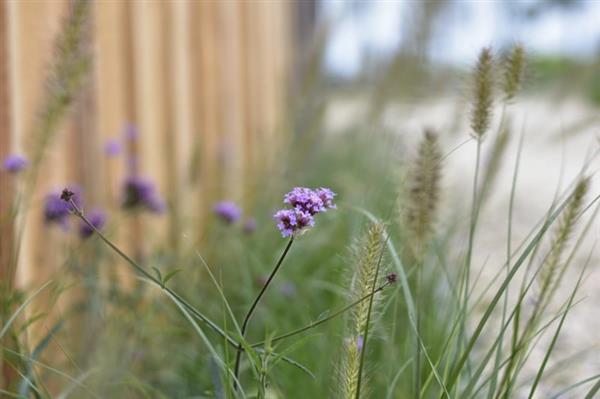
x: 170, y: 275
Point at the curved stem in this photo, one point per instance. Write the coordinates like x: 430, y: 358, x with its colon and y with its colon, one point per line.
x: 153, y: 279
x: 323, y: 320
x: 238, y: 356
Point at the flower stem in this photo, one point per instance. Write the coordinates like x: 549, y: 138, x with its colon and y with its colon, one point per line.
x: 153, y: 279
x: 238, y: 357
x: 323, y: 320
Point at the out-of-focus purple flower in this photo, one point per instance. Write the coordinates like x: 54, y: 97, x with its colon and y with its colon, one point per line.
x: 57, y: 210
x: 131, y: 132
x: 113, y: 147
x: 15, y: 163
x: 139, y: 192
x: 227, y: 211
x: 288, y: 289
x: 249, y: 226
x: 292, y: 221
x: 360, y: 341
x: 97, y: 218
x: 305, y: 204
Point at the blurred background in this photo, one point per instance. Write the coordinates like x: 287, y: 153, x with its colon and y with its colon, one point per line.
x: 241, y: 100
x: 213, y: 90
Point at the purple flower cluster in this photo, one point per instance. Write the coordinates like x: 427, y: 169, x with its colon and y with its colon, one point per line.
x: 97, y: 217
x: 227, y: 211
x: 139, y: 192
x: 15, y: 163
x: 305, y: 203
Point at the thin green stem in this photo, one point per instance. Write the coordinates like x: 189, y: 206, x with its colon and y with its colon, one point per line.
x: 153, y: 279
x: 238, y: 356
x: 323, y: 320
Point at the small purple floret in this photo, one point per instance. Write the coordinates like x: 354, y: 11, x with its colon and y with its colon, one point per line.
x: 112, y: 148
x: 326, y: 196
x: 227, y: 211
x: 139, y: 192
x: 304, y: 199
x: 97, y: 218
x: 15, y: 163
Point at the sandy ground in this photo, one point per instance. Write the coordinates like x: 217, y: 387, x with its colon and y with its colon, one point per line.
x: 558, y: 139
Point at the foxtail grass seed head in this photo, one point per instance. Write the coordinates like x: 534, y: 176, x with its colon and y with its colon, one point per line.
x: 305, y: 203
x: 562, y: 235
x: 368, y: 256
x: 70, y: 63
x: 514, y: 69
x: 227, y: 211
x: 423, y: 191
x: 15, y: 163
x: 481, y: 114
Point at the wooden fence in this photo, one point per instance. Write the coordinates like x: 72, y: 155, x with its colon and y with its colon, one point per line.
x: 203, y: 81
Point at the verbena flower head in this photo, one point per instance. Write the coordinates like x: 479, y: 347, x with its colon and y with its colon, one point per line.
x: 305, y: 203
x: 56, y: 209
x: 227, y: 211
x: 139, y: 192
x: 15, y: 163
x: 97, y: 218
x: 112, y: 148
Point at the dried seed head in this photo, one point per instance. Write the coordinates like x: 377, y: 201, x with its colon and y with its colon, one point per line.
x: 423, y: 195
x: 562, y: 234
x: 481, y: 115
x: 514, y: 69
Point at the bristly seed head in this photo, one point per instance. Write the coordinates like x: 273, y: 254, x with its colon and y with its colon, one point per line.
x: 513, y: 71
x: 421, y: 205
x: 481, y: 115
